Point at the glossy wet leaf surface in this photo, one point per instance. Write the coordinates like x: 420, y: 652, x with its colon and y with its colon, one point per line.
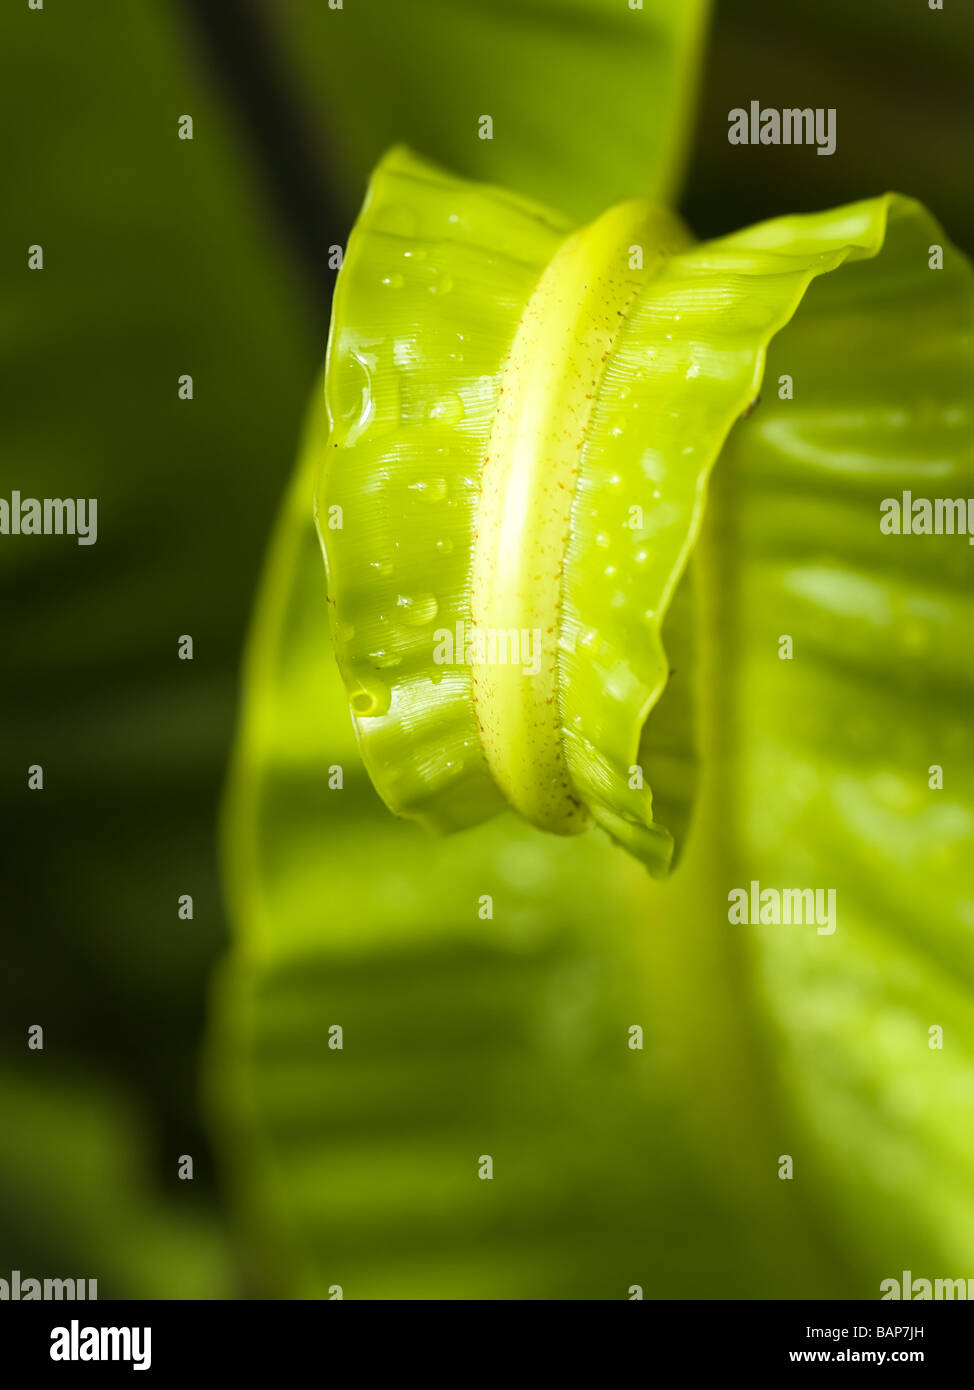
x: 509, y: 1034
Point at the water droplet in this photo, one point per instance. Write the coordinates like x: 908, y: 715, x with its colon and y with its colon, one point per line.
x: 448, y: 409
x: 417, y: 610
x: 445, y: 547
x: 442, y: 286
x: 653, y: 465
x: 602, y: 540
x: 395, y: 282
x: 361, y: 405
x: 381, y: 567
x: 430, y: 489
x: 693, y: 371
x: 642, y: 556
x: 371, y: 700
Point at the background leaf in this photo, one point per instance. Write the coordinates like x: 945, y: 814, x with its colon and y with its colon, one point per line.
x: 490, y: 1043
x: 465, y: 1036
x: 156, y: 262
x: 834, y: 749
x: 591, y: 100
x: 159, y: 253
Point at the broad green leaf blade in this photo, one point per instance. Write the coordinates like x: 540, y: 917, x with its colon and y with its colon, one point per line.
x: 838, y: 748
x: 687, y: 363
x: 486, y: 984
x: 761, y: 1041
x: 588, y: 99
x: 515, y: 478
x: 436, y: 276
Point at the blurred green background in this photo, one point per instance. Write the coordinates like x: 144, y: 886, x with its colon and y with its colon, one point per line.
x: 210, y: 257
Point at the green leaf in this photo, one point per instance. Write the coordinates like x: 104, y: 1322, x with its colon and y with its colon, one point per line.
x: 515, y: 477
x: 158, y: 262
x: 833, y: 751
x: 588, y: 98
x: 97, y: 1216
x: 164, y: 257
x: 468, y: 1034
x: 463, y: 1034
